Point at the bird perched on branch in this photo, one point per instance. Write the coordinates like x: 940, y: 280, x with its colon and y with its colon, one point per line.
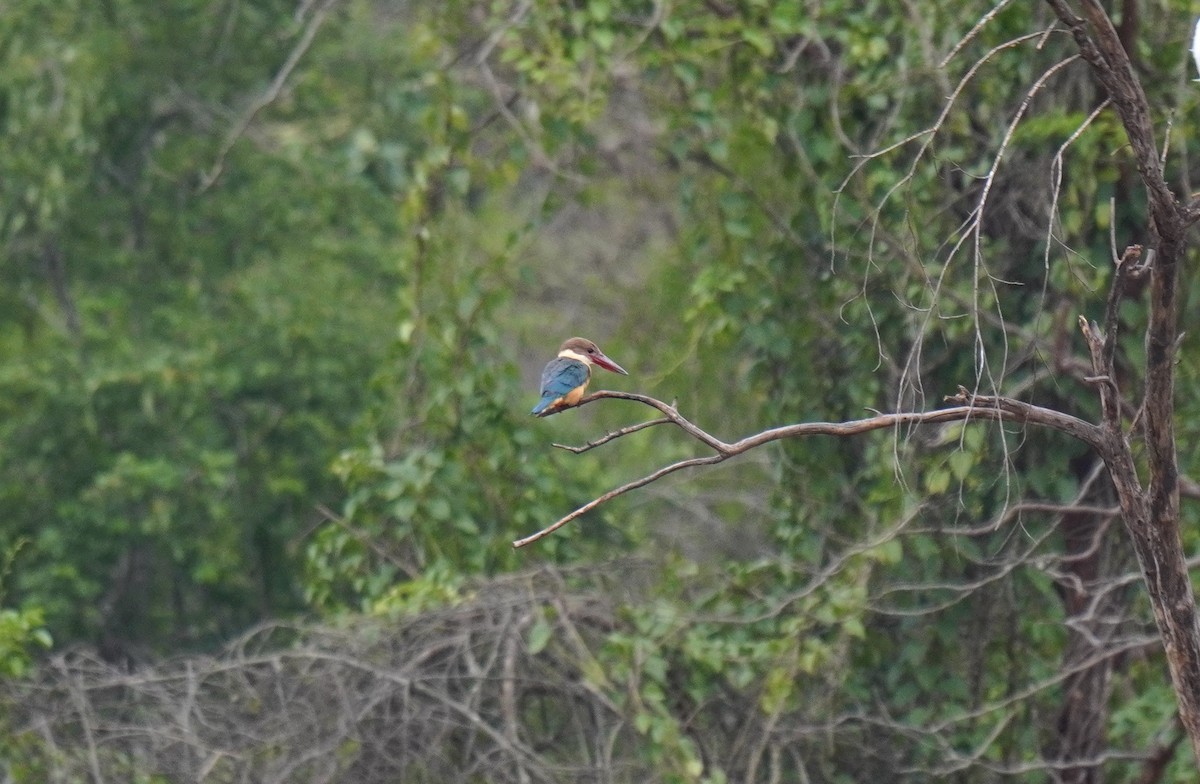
x: 566, y: 377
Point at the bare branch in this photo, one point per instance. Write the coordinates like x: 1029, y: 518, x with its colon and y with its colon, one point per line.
x: 970, y: 407
x: 1124, y: 268
x: 668, y: 411
x: 1103, y: 378
x: 613, y: 435
x: 611, y: 494
x: 974, y: 31
x: 1056, y: 177
x: 1110, y: 64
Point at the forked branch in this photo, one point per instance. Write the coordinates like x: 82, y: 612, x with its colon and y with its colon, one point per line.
x: 966, y: 407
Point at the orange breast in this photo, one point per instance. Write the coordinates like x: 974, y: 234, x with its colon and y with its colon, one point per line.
x: 572, y: 397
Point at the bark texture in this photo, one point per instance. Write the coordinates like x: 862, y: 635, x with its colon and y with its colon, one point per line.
x: 1151, y: 508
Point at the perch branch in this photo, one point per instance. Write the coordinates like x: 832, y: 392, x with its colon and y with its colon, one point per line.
x: 613, y: 435
x: 667, y: 410
x: 969, y: 407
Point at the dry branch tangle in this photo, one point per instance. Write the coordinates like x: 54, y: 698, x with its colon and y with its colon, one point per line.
x: 430, y: 698
x: 455, y: 692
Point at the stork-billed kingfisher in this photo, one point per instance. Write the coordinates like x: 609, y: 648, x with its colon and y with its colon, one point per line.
x: 566, y: 377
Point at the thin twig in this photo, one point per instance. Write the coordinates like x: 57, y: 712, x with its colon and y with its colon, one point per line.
x: 613, y: 435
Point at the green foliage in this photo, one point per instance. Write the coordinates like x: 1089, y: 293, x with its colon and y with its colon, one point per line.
x: 22, y: 631
x: 463, y: 470
x: 297, y: 386
x: 181, y: 366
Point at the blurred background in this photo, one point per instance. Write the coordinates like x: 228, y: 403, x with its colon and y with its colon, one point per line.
x: 279, y: 279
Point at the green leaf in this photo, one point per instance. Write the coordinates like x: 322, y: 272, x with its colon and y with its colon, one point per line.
x: 539, y: 636
x: 937, y: 481
x: 760, y: 39
x: 961, y: 464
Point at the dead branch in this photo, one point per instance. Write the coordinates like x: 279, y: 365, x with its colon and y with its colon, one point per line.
x: 451, y: 693
x: 969, y: 407
x: 613, y: 435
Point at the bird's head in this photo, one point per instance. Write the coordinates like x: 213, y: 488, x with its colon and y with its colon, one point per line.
x: 586, y: 351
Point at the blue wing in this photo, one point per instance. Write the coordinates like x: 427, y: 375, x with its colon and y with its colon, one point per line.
x: 560, y: 377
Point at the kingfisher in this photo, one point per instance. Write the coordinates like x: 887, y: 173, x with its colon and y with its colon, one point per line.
x: 566, y: 377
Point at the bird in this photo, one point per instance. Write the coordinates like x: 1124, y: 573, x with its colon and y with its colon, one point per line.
x: 566, y: 377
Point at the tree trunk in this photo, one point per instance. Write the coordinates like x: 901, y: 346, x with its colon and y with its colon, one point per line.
x: 1151, y: 513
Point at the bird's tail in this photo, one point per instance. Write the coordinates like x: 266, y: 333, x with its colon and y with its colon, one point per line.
x: 542, y: 405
